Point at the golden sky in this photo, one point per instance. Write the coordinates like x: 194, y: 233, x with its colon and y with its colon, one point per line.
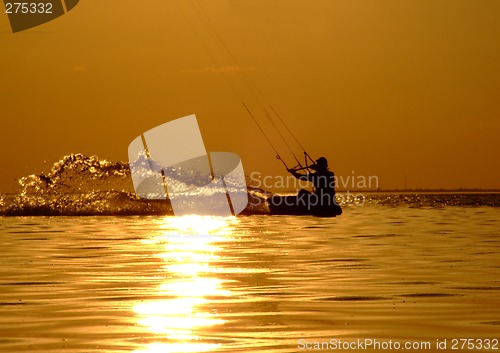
x: 380, y: 87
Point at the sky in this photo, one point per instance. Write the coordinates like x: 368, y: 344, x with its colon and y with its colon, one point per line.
x: 388, y: 88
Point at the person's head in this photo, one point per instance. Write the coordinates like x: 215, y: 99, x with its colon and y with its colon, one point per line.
x: 320, y: 165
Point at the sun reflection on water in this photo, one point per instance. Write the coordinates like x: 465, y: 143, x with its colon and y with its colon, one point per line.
x: 188, y: 246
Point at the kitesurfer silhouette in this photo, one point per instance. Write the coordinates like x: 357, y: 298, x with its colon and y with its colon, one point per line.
x: 323, y: 181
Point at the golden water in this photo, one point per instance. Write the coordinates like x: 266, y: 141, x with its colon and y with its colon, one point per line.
x: 258, y: 283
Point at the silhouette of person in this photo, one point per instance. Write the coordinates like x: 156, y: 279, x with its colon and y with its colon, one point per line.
x: 324, y: 186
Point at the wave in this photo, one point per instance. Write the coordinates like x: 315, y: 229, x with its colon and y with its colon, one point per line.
x: 80, y: 185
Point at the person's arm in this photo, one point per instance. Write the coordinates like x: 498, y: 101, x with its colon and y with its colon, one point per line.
x: 298, y: 175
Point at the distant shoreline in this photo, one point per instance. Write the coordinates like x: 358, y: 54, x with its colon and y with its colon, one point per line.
x: 380, y: 191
